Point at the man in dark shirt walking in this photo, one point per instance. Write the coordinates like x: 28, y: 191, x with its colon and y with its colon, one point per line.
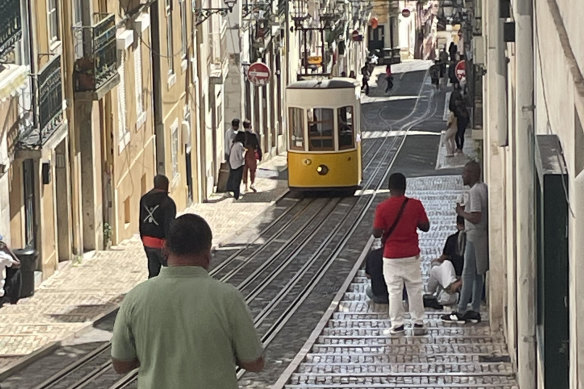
x: 157, y: 210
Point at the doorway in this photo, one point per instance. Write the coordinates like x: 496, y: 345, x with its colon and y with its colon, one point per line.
x: 29, y: 203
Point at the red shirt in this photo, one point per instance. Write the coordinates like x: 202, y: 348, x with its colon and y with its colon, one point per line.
x: 403, y: 241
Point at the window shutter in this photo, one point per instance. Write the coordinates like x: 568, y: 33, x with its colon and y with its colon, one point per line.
x: 138, y: 75
x: 122, y: 99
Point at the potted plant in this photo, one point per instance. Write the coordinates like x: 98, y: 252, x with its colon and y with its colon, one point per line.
x: 84, y: 74
x: 107, y: 236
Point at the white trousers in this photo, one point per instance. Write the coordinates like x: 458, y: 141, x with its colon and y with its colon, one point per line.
x: 441, y: 276
x: 448, y: 141
x: 397, y: 272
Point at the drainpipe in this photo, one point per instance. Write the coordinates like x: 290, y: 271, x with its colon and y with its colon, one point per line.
x: 495, y: 124
x: 525, y: 173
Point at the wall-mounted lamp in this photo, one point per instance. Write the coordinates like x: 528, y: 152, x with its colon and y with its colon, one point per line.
x: 203, y: 14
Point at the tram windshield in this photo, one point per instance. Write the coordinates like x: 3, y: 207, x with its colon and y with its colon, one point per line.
x: 345, y: 125
x: 320, y: 129
x: 296, y: 127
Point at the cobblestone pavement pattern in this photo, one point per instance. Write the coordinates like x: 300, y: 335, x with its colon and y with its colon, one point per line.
x: 82, y: 291
x: 355, y: 350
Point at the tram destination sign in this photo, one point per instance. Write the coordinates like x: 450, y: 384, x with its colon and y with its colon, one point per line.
x: 258, y: 74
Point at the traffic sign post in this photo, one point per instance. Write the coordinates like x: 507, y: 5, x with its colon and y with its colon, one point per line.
x: 460, y: 70
x: 258, y: 74
x: 405, y: 12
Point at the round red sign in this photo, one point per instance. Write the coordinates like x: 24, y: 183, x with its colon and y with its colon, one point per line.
x: 460, y: 70
x: 258, y: 74
x: 405, y: 12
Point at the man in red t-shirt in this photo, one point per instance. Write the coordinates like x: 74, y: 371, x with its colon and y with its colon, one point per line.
x: 400, y: 217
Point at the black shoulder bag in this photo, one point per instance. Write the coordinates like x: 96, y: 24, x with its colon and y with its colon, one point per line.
x: 390, y: 230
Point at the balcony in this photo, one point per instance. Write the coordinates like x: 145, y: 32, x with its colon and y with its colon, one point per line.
x: 95, y: 71
x: 10, y: 24
x: 36, y: 131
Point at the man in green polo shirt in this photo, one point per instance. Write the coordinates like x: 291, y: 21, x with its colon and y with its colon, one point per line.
x: 184, y: 329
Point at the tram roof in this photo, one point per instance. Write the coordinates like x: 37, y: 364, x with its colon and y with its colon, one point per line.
x: 326, y: 83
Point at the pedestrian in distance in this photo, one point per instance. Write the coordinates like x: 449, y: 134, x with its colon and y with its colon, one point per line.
x: 352, y: 74
x: 452, y: 72
x: 388, y: 79
x: 229, y: 136
x: 476, y: 252
x: 443, y: 56
x: 435, y: 74
x: 453, y: 50
x: 455, y: 96
x: 253, y: 154
x: 157, y: 211
x: 462, y: 120
x: 366, y: 74
x: 444, y: 281
x: 451, y: 130
x: 401, y: 253
x: 236, y: 163
x: 184, y: 329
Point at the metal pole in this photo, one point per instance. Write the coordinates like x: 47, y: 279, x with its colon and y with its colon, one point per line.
x: 525, y: 174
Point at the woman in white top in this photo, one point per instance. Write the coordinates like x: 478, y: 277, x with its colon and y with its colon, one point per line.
x: 451, y: 129
x: 236, y: 163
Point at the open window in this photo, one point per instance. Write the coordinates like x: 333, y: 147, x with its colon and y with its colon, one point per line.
x: 296, y: 128
x: 346, y: 128
x: 320, y: 129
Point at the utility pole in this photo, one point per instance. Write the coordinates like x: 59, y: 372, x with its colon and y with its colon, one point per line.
x: 525, y: 173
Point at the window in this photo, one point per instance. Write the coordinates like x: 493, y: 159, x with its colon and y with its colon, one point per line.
x: 53, y: 20
x: 169, y: 40
x: 174, y: 149
x: 183, y: 29
x: 345, y: 124
x: 124, y: 134
x: 296, y: 128
x: 320, y: 129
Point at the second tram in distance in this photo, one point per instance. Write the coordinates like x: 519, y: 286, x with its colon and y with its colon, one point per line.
x: 324, y: 134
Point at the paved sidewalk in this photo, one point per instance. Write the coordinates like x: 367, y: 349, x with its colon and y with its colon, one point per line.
x: 79, y: 293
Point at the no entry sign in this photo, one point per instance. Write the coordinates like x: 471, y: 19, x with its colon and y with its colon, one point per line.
x: 258, y: 74
x: 460, y: 70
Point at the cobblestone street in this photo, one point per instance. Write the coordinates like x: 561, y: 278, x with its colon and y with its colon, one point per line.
x: 83, y: 291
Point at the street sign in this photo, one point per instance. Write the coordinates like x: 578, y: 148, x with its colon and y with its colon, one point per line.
x: 355, y: 36
x: 405, y: 12
x: 374, y: 23
x: 258, y: 74
x: 460, y: 70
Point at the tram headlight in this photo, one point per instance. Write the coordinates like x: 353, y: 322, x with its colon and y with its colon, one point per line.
x: 322, y: 170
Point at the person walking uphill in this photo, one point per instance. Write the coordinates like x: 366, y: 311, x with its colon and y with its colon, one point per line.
x: 157, y: 210
x: 229, y: 136
x: 476, y: 252
x: 253, y: 154
x: 184, y: 329
x: 396, y: 222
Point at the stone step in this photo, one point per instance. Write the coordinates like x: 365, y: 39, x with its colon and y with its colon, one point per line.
x: 384, y: 331
x: 391, y: 368
x: 407, y: 359
x: 372, y: 380
x: 414, y: 349
x: 384, y: 340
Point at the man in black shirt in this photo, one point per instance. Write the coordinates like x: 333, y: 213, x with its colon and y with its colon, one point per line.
x: 447, y: 269
x: 374, y: 270
x: 157, y: 211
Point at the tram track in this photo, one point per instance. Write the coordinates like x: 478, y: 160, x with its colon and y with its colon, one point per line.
x: 307, y: 273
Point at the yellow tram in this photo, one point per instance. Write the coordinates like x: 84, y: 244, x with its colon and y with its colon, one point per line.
x: 324, y: 137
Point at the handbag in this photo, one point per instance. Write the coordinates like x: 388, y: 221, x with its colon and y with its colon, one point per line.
x: 390, y: 230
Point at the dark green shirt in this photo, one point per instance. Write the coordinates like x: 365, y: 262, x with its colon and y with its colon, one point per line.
x: 186, y: 329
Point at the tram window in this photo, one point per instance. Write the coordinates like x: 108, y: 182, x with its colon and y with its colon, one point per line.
x: 320, y: 129
x: 296, y: 118
x: 345, y: 121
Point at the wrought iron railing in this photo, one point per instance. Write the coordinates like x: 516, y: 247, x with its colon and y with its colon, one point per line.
x: 97, y: 43
x: 10, y: 24
x: 50, y: 99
